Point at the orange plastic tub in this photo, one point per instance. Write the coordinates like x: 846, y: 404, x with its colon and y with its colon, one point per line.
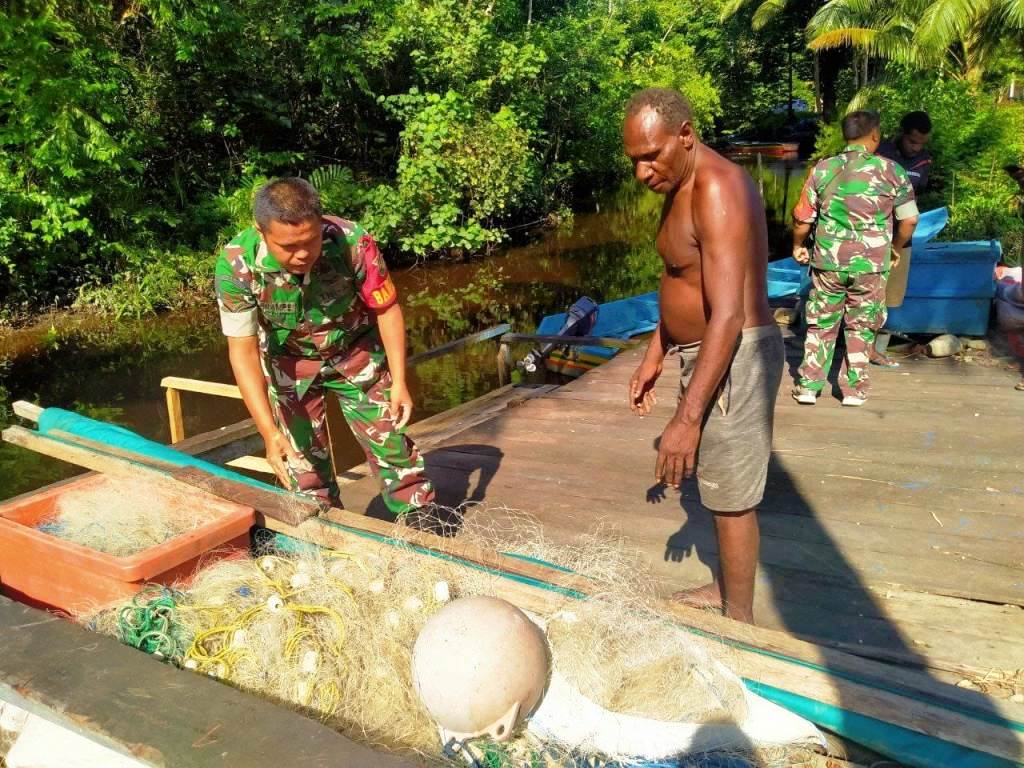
x: 44, y: 570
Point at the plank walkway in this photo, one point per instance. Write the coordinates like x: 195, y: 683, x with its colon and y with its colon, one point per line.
x: 895, y: 530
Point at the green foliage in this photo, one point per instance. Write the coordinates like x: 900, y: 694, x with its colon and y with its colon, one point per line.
x: 154, y: 280
x: 459, y: 170
x: 438, y: 123
x: 961, y: 37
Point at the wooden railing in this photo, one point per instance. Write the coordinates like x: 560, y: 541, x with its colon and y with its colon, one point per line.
x: 175, y: 385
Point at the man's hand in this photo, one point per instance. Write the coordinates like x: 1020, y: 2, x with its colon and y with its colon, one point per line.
x: 677, y: 452
x: 641, y: 388
x: 897, y: 256
x: 401, y: 405
x: 279, y: 453
x: 801, y: 254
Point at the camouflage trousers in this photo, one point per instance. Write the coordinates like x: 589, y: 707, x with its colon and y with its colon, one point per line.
x: 361, y: 380
x: 835, y: 296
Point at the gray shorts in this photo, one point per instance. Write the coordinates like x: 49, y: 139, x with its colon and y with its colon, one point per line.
x: 736, y: 441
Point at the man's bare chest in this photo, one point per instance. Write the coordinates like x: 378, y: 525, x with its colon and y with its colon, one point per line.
x: 678, y: 246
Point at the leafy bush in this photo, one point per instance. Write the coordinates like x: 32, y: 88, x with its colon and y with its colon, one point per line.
x: 134, y: 136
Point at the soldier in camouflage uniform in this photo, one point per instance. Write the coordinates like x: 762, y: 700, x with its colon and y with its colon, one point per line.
x: 851, y: 200
x: 309, y: 308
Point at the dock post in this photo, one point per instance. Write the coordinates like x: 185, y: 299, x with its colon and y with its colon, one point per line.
x: 504, y: 364
x: 174, y: 415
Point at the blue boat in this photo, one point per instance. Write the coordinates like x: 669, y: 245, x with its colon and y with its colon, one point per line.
x: 950, y: 289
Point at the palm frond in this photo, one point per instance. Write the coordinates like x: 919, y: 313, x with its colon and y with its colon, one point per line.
x: 946, y: 21
x: 731, y: 7
x: 767, y: 11
x: 1013, y: 13
x: 856, y: 37
x: 833, y: 15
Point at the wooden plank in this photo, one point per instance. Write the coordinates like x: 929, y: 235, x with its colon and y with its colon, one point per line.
x: 75, y: 454
x: 26, y: 410
x: 217, y: 438
x: 253, y: 464
x: 174, y: 415
x: 288, y: 507
x: 161, y: 715
x: 457, y: 344
x: 199, y: 386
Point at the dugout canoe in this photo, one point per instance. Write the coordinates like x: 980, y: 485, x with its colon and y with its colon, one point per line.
x: 898, y: 712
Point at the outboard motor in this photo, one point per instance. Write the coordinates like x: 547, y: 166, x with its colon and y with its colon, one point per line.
x: 579, y: 321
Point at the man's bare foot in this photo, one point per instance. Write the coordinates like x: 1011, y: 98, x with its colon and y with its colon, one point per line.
x: 746, y: 616
x: 708, y: 596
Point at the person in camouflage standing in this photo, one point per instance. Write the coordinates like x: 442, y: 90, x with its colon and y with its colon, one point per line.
x: 309, y: 308
x: 851, y: 200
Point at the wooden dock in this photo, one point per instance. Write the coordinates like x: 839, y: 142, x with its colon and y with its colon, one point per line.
x: 895, y: 531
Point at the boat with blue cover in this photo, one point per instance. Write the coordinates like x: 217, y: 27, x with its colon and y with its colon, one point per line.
x: 950, y: 289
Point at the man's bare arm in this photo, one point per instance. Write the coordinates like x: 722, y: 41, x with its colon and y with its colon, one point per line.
x: 801, y: 230
x: 391, y: 324
x: 641, y: 383
x: 724, y: 246
x: 904, y: 232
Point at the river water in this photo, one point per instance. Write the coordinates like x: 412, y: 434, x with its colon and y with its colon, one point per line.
x: 112, y: 370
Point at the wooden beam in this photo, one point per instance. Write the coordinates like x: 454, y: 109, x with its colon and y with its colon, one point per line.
x: 217, y: 438
x: 201, y: 387
x: 287, y: 507
x: 504, y: 364
x: 452, y: 346
x: 569, y: 341
x: 26, y: 410
x: 253, y: 464
x: 174, y: 415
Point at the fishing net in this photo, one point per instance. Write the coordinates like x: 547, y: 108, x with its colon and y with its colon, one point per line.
x: 122, y: 517
x: 331, y: 633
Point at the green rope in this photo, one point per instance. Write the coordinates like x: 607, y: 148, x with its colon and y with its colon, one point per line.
x: 148, y: 623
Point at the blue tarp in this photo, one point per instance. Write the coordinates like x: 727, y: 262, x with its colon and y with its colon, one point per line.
x: 787, y: 278
x: 119, y: 437
x: 615, y: 319
x: 624, y: 318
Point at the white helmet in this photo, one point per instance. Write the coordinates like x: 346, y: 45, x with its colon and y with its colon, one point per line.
x: 480, y: 667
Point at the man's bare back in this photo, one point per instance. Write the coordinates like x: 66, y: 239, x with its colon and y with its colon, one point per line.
x: 684, y: 310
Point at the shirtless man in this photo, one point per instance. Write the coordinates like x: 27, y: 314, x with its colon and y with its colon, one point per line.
x: 714, y: 312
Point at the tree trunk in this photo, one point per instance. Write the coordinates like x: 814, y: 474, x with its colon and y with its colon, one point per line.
x: 789, y: 109
x: 819, y: 107
x: 529, y: 12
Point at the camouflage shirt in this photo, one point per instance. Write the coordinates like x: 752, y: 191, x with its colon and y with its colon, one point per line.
x: 853, y: 198
x: 316, y: 315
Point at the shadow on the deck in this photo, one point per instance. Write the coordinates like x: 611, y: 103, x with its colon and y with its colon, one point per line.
x: 696, y: 537
x: 453, y: 491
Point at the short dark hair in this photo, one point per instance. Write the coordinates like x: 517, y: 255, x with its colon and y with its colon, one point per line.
x: 859, y: 124
x: 667, y: 102
x: 916, y: 121
x: 290, y: 200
